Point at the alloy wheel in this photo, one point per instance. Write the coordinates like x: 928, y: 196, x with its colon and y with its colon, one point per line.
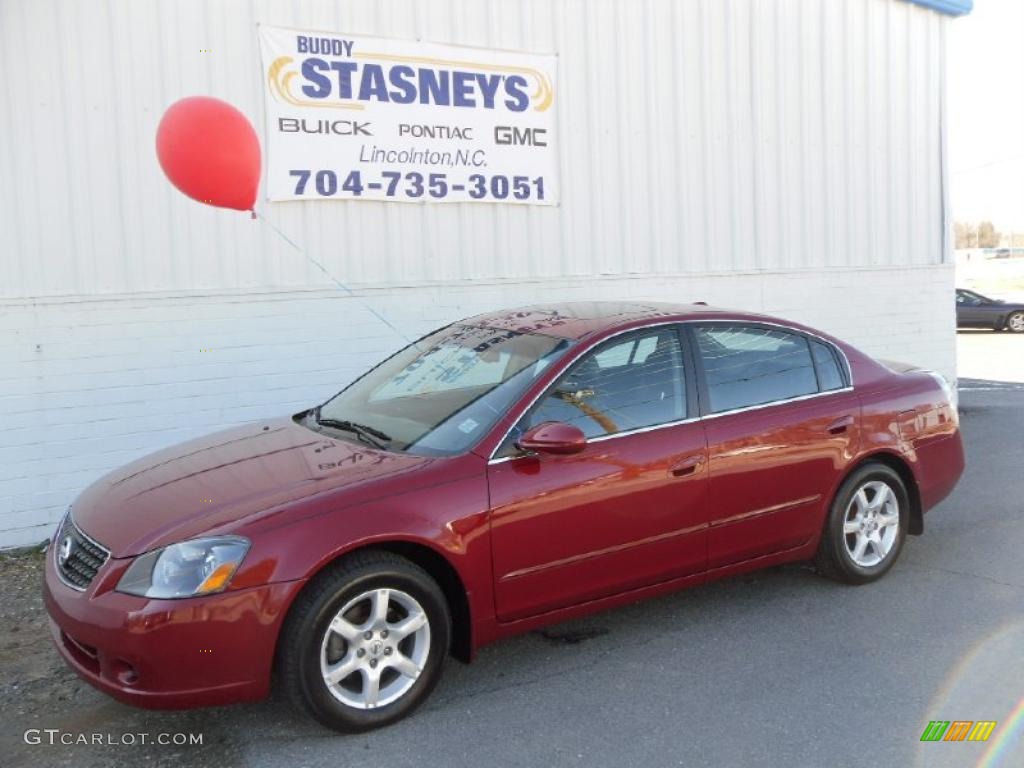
x: 871, y: 524
x: 375, y: 648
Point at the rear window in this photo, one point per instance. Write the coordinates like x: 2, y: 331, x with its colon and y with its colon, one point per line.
x: 750, y: 365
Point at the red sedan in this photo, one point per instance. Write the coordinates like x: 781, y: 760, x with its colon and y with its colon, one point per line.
x: 508, y: 471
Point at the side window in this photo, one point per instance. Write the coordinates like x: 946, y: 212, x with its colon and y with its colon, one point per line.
x: 625, y: 384
x: 750, y: 365
x: 829, y: 374
x: 967, y: 299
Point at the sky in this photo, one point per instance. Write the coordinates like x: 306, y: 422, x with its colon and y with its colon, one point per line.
x: 985, y: 70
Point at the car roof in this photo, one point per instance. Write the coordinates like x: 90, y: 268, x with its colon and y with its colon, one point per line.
x: 577, y: 320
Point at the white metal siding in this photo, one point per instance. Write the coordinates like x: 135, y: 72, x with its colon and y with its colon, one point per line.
x: 693, y: 136
x: 774, y: 155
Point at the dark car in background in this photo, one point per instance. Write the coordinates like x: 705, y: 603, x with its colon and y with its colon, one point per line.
x: 976, y: 311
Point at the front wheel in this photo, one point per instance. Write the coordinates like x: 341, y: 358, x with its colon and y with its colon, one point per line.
x: 1015, y: 322
x: 866, y: 526
x: 365, y: 643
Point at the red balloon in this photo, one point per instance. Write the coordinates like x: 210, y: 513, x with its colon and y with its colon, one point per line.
x: 209, y: 151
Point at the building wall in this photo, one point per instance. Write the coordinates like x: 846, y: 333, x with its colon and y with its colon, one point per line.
x: 694, y: 136
x: 780, y: 155
x: 93, y: 384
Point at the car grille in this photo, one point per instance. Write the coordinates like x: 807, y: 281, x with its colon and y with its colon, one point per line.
x: 77, y: 557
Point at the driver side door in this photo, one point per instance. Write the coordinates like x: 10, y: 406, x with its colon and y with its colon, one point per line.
x: 630, y: 509
x: 971, y: 311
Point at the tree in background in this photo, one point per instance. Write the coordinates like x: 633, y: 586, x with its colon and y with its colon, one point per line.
x: 987, y: 235
x: 964, y: 235
x: 982, y: 235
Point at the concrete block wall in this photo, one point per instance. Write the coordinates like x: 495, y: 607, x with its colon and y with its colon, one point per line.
x: 89, y: 384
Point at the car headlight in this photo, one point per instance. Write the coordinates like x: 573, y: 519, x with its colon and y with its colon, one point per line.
x: 186, y: 569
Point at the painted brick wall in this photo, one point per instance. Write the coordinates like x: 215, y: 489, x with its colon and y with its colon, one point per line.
x: 87, y: 385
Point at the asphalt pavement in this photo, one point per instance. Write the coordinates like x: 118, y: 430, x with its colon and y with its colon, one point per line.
x: 777, y: 668
x: 990, y: 356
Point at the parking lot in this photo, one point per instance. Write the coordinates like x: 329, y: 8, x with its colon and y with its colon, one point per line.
x: 776, y: 668
x: 990, y: 356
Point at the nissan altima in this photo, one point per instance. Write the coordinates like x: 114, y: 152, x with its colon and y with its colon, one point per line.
x: 505, y: 472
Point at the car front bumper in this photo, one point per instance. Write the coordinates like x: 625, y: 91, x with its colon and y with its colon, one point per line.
x: 168, y: 654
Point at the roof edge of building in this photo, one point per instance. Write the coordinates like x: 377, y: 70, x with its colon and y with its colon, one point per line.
x: 948, y: 7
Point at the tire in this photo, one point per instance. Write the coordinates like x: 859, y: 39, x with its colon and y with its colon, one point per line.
x: 1015, y: 322
x: 407, y: 617
x: 855, y: 516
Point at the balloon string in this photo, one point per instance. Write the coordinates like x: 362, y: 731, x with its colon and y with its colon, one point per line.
x: 332, y: 278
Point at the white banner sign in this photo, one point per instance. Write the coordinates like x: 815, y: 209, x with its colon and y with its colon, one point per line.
x: 369, y: 118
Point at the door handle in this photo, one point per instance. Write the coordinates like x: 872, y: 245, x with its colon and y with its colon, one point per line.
x: 687, y: 466
x: 840, y: 425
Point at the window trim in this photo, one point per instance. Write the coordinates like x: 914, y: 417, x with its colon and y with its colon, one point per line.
x: 845, y: 372
x: 691, y: 361
x: 773, y: 403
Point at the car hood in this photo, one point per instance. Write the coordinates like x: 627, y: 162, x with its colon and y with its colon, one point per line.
x: 207, y: 484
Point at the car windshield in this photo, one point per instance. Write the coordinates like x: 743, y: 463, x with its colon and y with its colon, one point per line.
x: 439, y: 396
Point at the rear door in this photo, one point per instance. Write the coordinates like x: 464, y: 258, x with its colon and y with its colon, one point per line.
x: 782, y: 424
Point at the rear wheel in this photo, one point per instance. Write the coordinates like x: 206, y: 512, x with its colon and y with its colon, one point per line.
x: 866, y: 526
x: 364, y: 645
x: 1015, y: 322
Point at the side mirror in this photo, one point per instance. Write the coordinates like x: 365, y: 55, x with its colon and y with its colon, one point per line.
x: 553, y: 437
